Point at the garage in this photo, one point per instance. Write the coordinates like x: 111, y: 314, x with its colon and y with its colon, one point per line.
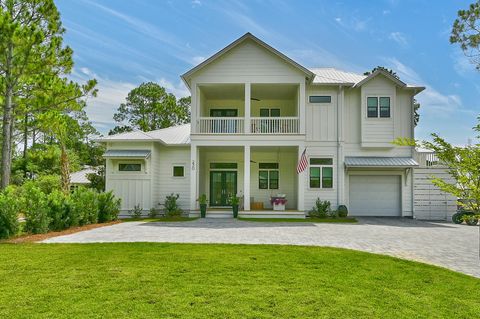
x: 375, y: 195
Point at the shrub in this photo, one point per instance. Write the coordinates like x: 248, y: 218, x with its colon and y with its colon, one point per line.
x: 171, y: 206
x: 342, y: 211
x: 321, y: 209
x: 46, y: 183
x: 108, y: 207
x: 136, y: 212
x: 9, y: 208
x: 153, y: 213
x: 58, y: 205
x: 36, y: 209
x: 84, y: 207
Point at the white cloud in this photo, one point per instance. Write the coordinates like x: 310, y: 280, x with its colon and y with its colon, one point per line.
x: 353, y: 23
x: 196, y: 3
x: 462, y: 64
x: 197, y: 60
x: 179, y: 89
x: 385, y: 12
x: 433, y: 102
x: 398, y: 37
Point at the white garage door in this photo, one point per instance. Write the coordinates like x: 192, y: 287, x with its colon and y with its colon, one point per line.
x: 375, y: 195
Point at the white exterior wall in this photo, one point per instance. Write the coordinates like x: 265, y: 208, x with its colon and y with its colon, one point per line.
x: 166, y: 184
x: 134, y: 188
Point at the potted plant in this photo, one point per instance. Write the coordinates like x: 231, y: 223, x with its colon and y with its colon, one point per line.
x: 234, y: 201
x: 202, y: 200
x: 278, y: 202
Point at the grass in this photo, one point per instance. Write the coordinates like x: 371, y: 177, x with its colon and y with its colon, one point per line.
x: 306, y: 220
x: 160, y: 219
x: 148, y: 280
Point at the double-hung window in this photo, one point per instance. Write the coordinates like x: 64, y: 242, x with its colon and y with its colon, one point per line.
x: 321, y: 173
x: 268, y: 174
x: 378, y: 106
x: 269, y: 112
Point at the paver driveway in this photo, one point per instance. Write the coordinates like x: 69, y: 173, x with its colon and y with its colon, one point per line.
x: 448, y: 245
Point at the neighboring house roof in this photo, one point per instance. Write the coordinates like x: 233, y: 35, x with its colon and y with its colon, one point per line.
x: 365, y: 161
x: 175, y: 135
x: 310, y: 75
x: 127, y: 154
x: 80, y: 177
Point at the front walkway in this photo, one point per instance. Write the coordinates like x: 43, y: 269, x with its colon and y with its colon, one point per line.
x: 447, y: 245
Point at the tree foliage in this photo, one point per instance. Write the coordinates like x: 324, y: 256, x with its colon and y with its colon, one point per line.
x: 382, y: 68
x: 466, y: 32
x: 149, y: 107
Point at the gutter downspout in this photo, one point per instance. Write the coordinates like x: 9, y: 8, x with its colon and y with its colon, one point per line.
x: 413, y: 152
x: 340, y: 99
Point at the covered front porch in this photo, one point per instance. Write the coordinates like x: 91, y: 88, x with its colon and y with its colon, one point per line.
x: 256, y: 174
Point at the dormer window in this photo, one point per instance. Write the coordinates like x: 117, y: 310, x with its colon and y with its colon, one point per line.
x: 378, y: 106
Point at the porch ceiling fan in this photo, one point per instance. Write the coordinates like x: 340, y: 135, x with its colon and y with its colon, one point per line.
x: 254, y: 99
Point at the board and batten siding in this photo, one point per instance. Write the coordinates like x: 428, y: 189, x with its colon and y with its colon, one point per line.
x: 321, y: 118
x: 133, y: 188
x: 430, y: 202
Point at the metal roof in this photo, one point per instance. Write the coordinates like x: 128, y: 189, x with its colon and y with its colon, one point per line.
x: 175, y: 135
x: 80, y: 177
x: 335, y: 76
x: 127, y: 153
x: 364, y: 161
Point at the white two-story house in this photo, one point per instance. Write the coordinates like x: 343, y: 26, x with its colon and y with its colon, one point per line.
x: 254, y: 112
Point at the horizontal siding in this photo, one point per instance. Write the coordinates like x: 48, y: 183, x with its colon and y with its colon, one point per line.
x: 429, y: 201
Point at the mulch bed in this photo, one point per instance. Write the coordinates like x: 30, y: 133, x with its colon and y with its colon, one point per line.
x: 39, y: 237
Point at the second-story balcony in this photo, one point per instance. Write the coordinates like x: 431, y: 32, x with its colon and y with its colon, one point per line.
x: 247, y: 109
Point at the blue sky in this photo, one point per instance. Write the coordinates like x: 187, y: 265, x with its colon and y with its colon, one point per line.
x: 124, y: 43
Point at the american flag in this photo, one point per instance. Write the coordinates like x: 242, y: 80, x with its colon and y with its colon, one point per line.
x: 303, y: 162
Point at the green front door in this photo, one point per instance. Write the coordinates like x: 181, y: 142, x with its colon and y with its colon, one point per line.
x: 223, y: 184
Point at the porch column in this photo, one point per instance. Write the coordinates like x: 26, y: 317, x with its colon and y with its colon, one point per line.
x: 246, y: 178
x: 247, y: 107
x: 301, y: 182
x: 193, y: 176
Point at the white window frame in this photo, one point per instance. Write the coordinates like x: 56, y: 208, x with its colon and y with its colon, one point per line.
x: 173, y: 170
x: 378, y: 97
x: 269, y: 111
x: 321, y: 166
x: 268, y: 170
x: 120, y: 162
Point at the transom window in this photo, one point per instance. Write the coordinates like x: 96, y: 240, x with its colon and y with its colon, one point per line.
x: 178, y: 171
x: 378, y: 106
x: 320, y: 99
x: 223, y: 165
x: 129, y: 167
x: 269, y: 112
x: 321, y: 173
x: 268, y: 176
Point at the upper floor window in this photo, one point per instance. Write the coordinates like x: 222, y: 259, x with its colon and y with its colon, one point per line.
x: 378, y: 106
x: 321, y: 172
x: 130, y: 167
x: 268, y: 176
x: 320, y: 99
x: 269, y: 112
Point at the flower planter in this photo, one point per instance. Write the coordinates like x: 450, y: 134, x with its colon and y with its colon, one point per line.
x: 278, y: 202
x: 203, y: 210
x: 235, y: 211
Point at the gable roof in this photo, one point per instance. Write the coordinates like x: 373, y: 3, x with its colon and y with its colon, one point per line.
x: 388, y: 75
x: 175, y: 135
x: 247, y: 36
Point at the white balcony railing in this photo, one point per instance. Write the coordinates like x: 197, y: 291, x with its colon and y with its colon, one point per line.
x: 220, y: 125
x: 427, y: 159
x: 275, y: 125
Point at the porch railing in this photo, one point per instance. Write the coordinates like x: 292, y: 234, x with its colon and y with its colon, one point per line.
x: 275, y: 125
x: 427, y: 159
x: 221, y: 125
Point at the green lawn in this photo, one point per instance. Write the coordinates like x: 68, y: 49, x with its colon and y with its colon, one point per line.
x: 160, y: 219
x: 147, y: 280
x: 306, y: 220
